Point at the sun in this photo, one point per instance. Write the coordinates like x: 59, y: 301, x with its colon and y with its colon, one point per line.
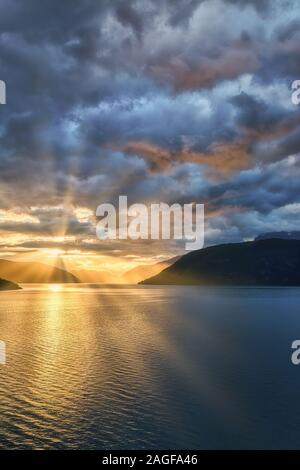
x: 55, y: 287
x: 54, y: 252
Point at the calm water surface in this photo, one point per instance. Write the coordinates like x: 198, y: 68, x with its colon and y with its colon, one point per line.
x: 149, y: 367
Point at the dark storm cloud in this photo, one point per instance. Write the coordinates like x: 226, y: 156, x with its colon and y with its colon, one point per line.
x: 154, y: 99
x: 256, y: 114
x: 127, y: 15
x: 259, y: 5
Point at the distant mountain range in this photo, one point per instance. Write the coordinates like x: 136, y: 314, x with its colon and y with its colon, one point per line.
x: 96, y: 277
x: 271, y: 259
x: 137, y: 274
x: 23, y: 272
x: 7, y: 285
x: 293, y: 235
x: 133, y: 276
x: 270, y: 262
x: 31, y: 272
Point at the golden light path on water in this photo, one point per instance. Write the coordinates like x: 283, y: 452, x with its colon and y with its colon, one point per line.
x: 88, y: 364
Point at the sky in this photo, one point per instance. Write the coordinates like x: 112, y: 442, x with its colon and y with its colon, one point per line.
x: 171, y: 101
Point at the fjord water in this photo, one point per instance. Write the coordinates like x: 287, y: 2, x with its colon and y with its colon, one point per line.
x: 149, y: 367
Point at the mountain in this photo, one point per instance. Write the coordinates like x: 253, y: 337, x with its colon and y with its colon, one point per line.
x: 133, y: 276
x: 271, y: 262
x: 137, y: 274
x: 92, y: 277
x: 23, y: 272
x: 7, y: 285
x: 293, y: 235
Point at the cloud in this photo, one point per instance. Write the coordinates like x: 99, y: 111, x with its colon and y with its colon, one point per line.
x: 222, y: 158
x: 185, y: 74
x: 169, y: 100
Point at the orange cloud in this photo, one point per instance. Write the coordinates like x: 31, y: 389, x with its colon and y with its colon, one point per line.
x: 222, y: 159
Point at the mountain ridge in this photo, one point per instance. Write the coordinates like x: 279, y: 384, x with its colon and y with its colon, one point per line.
x: 283, y: 235
x: 34, y: 272
x: 272, y: 262
x: 137, y: 274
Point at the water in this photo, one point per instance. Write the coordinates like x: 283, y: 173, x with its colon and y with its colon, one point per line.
x: 149, y: 367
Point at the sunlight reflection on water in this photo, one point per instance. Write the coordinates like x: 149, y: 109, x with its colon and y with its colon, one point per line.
x: 148, y: 367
